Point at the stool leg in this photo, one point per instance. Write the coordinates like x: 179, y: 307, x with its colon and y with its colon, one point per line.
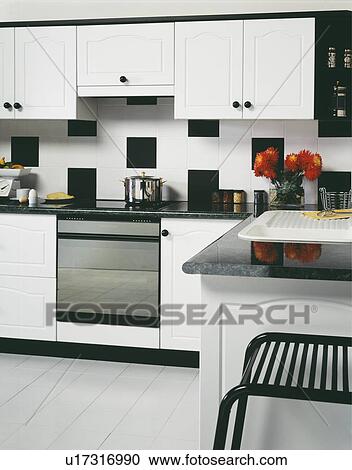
x: 237, y: 393
x: 239, y: 423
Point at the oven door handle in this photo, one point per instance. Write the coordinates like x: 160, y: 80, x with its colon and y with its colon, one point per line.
x: 108, y: 237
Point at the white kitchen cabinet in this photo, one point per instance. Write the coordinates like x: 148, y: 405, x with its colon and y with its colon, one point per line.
x: 38, y: 74
x: 252, y: 69
x: 27, y: 307
x: 185, y: 239
x: 125, y: 59
x: 7, y: 44
x: 45, y: 67
x: 278, y: 70
x: 28, y: 245
x: 208, y: 81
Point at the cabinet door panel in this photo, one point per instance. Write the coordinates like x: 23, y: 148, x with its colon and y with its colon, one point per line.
x: 28, y: 245
x: 143, y: 53
x: 208, y: 69
x: 6, y: 71
x: 186, y: 238
x: 27, y: 308
x: 279, y: 68
x: 45, y: 67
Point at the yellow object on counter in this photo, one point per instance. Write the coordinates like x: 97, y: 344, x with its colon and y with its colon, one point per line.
x: 59, y: 196
x: 316, y: 215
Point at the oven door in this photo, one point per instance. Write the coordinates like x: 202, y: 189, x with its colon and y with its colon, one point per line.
x: 108, y: 283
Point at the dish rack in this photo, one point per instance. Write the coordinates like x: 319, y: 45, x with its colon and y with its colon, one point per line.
x: 332, y: 200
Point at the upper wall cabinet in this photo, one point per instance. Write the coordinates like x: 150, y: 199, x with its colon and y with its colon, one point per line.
x: 38, y: 73
x: 45, y: 66
x: 7, y: 75
x: 208, y: 82
x: 125, y: 60
x: 253, y: 69
x: 278, y: 70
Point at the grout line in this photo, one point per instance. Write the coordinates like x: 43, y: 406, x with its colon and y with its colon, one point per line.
x: 89, y: 405
x: 30, y: 383
x: 174, y: 410
x: 130, y: 408
x: 42, y: 404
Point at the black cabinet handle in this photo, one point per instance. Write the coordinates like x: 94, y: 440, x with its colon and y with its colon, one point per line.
x: 236, y: 104
x: 7, y: 105
x: 17, y: 106
x: 123, y: 79
x: 247, y: 104
x: 164, y: 233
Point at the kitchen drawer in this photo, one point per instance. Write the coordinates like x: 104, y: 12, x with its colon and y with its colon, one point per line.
x: 109, y: 335
x: 27, y: 308
x: 28, y: 245
x: 143, y: 53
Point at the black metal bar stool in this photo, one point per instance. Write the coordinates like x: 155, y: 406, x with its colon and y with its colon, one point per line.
x: 309, y: 367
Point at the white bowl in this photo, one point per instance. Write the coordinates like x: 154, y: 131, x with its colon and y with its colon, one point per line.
x: 14, y: 173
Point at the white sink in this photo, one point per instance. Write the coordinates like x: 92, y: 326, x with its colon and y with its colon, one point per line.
x: 294, y: 226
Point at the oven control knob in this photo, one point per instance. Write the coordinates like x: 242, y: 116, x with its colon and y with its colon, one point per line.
x: 123, y: 79
x: 164, y: 233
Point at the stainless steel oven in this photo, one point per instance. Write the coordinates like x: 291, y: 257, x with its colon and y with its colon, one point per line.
x: 108, y: 282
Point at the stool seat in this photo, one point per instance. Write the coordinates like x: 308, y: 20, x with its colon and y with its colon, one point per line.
x: 287, y: 365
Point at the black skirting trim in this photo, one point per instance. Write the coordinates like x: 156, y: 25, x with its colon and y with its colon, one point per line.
x: 164, y: 357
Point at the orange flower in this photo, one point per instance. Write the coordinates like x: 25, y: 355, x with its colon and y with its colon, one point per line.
x: 292, y: 162
x: 313, y: 170
x: 265, y: 252
x: 266, y: 162
x: 304, y: 252
x: 304, y: 159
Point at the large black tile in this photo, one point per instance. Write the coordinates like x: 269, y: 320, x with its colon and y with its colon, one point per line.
x: 141, y: 152
x: 260, y: 144
x: 203, y: 128
x: 201, y: 185
x: 142, y: 100
x: 334, y: 181
x: 82, y: 183
x: 25, y: 150
x: 78, y: 128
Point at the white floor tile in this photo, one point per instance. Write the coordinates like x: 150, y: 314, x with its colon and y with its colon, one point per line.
x: 32, y: 437
x: 126, y: 442
x: 174, y: 444
x: 96, y: 404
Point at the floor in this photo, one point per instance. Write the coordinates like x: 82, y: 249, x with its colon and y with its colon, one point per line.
x: 55, y: 403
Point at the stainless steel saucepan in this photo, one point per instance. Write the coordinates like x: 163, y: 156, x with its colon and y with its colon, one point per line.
x: 143, y: 189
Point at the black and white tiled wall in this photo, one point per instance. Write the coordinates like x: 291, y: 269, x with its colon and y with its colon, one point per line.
x: 139, y: 134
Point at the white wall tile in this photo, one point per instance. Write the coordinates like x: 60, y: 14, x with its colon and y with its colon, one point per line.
x: 235, y: 128
x: 295, y: 144
x: 336, y: 153
x: 109, y: 183
x: 301, y: 129
x: 268, y: 128
x: 203, y: 153
x: 176, y: 186
x: 172, y: 153
x: 234, y: 164
x: 48, y: 180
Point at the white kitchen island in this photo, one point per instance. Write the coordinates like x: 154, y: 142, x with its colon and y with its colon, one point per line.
x: 257, y: 288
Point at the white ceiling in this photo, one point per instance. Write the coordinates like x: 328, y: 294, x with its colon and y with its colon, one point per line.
x: 13, y: 10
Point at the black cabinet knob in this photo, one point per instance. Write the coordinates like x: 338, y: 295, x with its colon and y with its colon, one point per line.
x: 247, y: 104
x: 123, y: 79
x: 7, y: 105
x: 236, y: 104
x: 164, y: 233
x: 17, y: 106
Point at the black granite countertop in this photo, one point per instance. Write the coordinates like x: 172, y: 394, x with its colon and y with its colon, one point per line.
x: 233, y: 256
x: 108, y: 209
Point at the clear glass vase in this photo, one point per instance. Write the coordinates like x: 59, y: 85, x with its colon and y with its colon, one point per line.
x: 278, y: 198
